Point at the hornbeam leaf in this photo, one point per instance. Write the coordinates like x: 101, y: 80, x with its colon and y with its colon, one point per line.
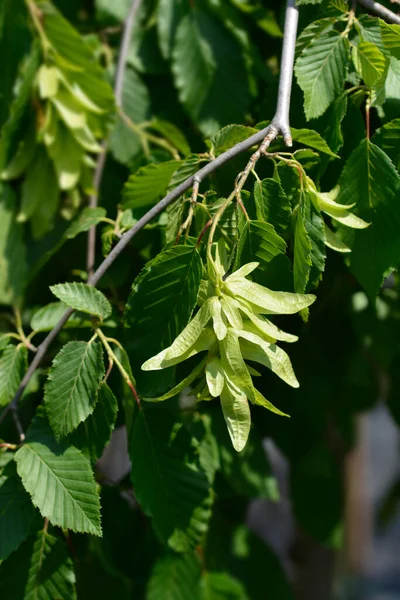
x: 84, y: 298
x: 371, y: 180
x: 229, y: 136
x: 313, y: 139
x: 48, y: 316
x: 13, y: 362
x: 59, y: 480
x: 259, y: 241
x: 215, y: 586
x: 391, y: 37
x: 388, y: 138
x: 71, y: 389
x: 154, y: 316
x: 45, y: 570
x: 178, y: 495
x: 371, y: 62
x: 148, y: 184
x: 175, y: 577
x: 16, y: 512
x: 94, y: 433
x: 272, y: 204
x: 321, y: 71
x: 302, y: 253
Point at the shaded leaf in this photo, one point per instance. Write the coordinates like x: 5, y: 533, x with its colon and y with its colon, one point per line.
x: 259, y: 241
x: 13, y: 363
x: 178, y: 496
x: 148, y: 184
x: 175, y: 578
x: 12, y: 249
x: 60, y: 481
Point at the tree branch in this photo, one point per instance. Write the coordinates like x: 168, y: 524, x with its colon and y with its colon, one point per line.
x: 381, y: 11
x: 101, y: 161
x: 279, y: 124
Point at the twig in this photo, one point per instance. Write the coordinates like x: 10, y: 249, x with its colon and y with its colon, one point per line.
x: 279, y: 123
x: 101, y: 161
x: 381, y: 11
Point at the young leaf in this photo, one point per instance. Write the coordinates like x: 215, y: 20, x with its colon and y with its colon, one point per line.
x: 321, y: 71
x: 391, y: 37
x: 230, y: 136
x: 59, y: 480
x: 371, y: 181
x: 84, y: 298
x: 175, y: 577
x: 221, y: 585
x: 13, y: 363
x: 370, y: 62
x: 16, y: 512
x: 147, y: 185
x: 45, y: 570
x: 71, y: 389
x: 313, y: 139
x: 178, y: 495
x: 91, y: 436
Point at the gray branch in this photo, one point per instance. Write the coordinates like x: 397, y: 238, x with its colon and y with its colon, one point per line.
x: 101, y: 161
x: 279, y: 124
x: 380, y: 10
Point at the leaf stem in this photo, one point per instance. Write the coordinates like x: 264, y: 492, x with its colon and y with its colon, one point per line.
x: 115, y: 360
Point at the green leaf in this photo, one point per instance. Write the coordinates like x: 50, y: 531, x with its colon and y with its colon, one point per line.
x: 71, y: 389
x: 312, y: 31
x: 186, y: 382
x: 89, y: 217
x: 272, y: 204
x: 60, y: 481
x: 125, y: 143
x: 13, y: 363
x: 175, y: 578
x: 17, y: 109
x: 12, y: 249
x: 169, y: 14
x: 391, y: 37
x: 193, y: 64
x: 248, y: 472
x: 74, y: 56
x: 229, y: 136
x: 153, y: 315
x: 259, y: 241
x: 370, y: 180
x: 174, y: 135
x: 302, y: 253
x: 387, y: 138
x: 16, y: 512
x: 83, y: 297
x: 313, y: 139
x: 48, y: 316
x: 45, y: 570
x: 321, y: 71
x: 94, y: 433
x: 315, y: 228
x: 148, y: 184
x: 221, y: 586
x: 370, y: 62
x: 177, y: 496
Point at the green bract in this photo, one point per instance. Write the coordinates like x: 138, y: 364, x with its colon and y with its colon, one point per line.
x: 231, y: 328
